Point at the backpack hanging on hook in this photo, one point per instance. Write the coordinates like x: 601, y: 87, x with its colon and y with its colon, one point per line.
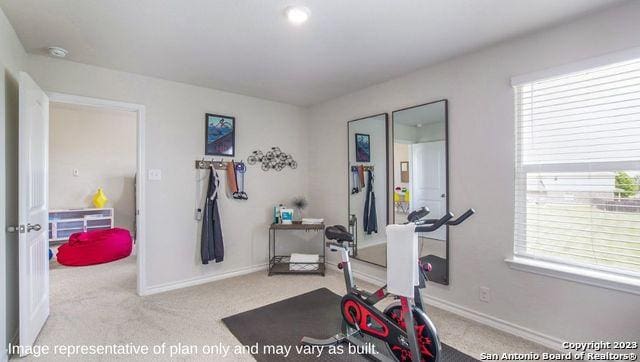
x: 240, y: 169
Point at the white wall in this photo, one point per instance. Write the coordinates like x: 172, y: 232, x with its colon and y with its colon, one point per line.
x: 481, y: 121
x: 12, y: 58
x: 101, y: 145
x: 174, y: 139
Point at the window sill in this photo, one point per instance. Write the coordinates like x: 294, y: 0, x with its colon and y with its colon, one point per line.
x: 602, y: 279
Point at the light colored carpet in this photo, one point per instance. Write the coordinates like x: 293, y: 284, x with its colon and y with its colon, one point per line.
x: 97, y: 305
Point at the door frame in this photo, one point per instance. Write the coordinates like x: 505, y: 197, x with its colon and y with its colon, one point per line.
x: 4, y: 239
x: 139, y: 109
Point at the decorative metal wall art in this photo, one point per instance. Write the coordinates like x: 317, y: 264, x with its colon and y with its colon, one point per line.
x: 274, y: 159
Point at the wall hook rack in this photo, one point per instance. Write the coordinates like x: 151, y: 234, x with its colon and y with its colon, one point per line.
x: 365, y: 167
x: 217, y: 164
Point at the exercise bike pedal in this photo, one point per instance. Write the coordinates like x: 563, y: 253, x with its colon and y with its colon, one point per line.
x: 334, y: 340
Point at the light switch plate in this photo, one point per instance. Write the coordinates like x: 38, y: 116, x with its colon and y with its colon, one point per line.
x: 76, y: 172
x: 155, y: 174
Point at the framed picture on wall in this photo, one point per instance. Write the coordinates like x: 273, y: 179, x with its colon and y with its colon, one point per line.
x: 404, y: 171
x: 363, y: 148
x: 220, y: 139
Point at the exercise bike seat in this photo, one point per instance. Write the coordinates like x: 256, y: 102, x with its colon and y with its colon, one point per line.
x: 338, y: 233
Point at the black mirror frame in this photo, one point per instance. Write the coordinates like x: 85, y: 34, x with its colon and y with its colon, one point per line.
x: 386, y: 136
x: 446, y: 155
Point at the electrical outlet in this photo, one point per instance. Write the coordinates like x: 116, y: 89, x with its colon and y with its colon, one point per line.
x: 485, y: 294
x: 76, y: 172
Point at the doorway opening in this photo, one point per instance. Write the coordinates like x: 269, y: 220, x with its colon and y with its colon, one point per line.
x: 96, y: 194
x: 33, y: 221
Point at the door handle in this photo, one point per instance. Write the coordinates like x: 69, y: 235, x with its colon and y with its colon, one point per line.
x: 443, y: 195
x: 35, y: 227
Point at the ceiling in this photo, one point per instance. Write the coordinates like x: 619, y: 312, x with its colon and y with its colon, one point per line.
x: 248, y: 47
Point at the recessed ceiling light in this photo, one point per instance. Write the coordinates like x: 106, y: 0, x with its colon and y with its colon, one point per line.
x: 419, y: 125
x: 297, y: 14
x: 58, y: 52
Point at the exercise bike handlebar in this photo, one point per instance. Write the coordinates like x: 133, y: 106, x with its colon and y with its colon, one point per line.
x: 457, y: 221
x: 424, y: 226
x: 418, y: 214
x: 434, y: 226
x: 462, y: 217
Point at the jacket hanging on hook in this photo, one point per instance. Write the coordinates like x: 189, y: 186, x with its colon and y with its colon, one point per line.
x: 370, y: 217
x: 212, y: 246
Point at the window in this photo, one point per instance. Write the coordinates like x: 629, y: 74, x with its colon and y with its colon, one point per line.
x: 577, y: 193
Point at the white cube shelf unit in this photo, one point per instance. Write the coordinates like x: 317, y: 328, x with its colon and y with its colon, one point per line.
x: 63, y: 223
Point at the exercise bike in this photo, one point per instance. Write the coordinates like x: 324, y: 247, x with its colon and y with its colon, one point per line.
x: 403, y: 325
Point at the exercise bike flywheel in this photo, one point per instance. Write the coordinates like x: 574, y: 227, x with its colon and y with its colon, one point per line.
x: 425, y: 332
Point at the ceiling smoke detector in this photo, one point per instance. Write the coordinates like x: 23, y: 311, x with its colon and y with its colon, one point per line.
x: 58, y: 52
x: 297, y: 14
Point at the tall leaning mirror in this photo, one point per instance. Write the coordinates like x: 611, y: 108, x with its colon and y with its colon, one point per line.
x: 420, y: 177
x: 368, y: 191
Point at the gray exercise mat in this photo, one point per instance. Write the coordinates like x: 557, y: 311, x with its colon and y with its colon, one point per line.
x: 315, y: 314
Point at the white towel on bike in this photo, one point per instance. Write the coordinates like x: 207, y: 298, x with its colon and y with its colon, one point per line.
x: 402, y: 259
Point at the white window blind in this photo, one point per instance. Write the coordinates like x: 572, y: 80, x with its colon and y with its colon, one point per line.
x: 577, y: 197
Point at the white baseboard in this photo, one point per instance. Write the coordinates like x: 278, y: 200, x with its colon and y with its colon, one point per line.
x: 366, y: 245
x: 201, y: 280
x: 497, y: 323
x: 369, y: 279
x: 362, y: 276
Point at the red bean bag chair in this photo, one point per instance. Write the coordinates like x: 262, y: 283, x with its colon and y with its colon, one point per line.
x: 95, y: 247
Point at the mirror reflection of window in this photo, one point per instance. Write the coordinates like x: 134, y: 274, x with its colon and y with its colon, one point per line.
x: 420, y: 175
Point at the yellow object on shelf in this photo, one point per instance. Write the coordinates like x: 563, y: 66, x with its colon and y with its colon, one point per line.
x: 100, y: 199
x: 399, y: 196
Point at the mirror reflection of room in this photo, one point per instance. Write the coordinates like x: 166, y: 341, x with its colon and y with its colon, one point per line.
x: 420, y: 173
x: 368, y: 188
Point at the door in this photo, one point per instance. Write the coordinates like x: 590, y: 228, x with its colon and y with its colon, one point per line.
x: 429, y: 182
x: 33, y: 209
